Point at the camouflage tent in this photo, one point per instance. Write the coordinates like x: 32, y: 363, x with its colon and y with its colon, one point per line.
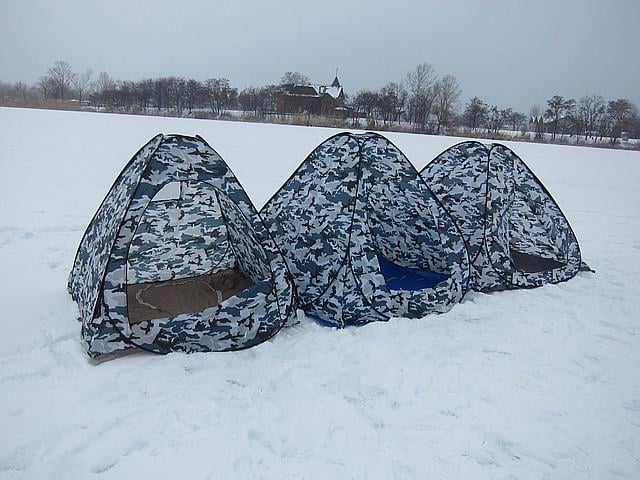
x: 364, y: 237
x: 177, y: 259
x: 515, y: 232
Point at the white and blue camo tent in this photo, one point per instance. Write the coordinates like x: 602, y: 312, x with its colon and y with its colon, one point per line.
x: 364, y: 237
x: 516, y: 234
x: 177, y: 259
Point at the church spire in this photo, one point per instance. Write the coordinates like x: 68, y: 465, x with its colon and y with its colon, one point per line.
x: 336, y: 82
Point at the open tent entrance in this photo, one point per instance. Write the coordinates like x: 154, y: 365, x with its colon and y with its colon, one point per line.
x: 531, y: 252
x: 180, y: 259
x: 529, y: 263
x: 532, y: 237
x: 151, y: 301
x: 406, y: 278
x: 410, y: 259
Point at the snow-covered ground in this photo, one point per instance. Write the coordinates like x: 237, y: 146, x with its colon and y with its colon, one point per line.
x: 536, y: 384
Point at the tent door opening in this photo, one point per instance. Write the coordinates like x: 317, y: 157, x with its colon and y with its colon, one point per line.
x: 180, y: 260
x: 529, y: 263
x: 152, y: 301
x: 530, y: 244
x: 405, y: 278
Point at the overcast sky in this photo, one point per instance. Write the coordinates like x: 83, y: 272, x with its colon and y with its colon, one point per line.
x: 508, y: 52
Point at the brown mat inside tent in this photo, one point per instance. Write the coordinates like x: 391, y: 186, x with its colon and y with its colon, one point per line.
x: 148, y: 301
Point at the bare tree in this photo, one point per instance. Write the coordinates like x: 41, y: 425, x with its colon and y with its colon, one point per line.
x: 104, y: 82
x: 145, y: 93
x: 635, y: 126
x: 393, y: 98
x: 193, y: 92
x: 421, y: 90
x: 364, y: 104
x: 82, y: 83
x: 220, y: 94
x: 267, y: 98
x: 518, y: 121
x: 620, y: 113
x: 21, y: 89
x: 294, y: 78
x: 5, y: 90
x: 569, y: 120
x: 43, y: 85
x: 176, y: 89
x: 535, y: 110
x: 61, y: 77
x: 494, y: 119
x: 557, y: 109
x: 446, y: 99
x: 589, y: 110
x: 420, y: 79
x: 248, y: 100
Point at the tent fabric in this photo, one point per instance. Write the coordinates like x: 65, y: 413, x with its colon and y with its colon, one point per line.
x: 135, y: 238
x: 354, y: 200
x: 516, y: 234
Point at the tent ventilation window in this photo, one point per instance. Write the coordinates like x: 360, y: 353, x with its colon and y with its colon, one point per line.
x: 170, y: 191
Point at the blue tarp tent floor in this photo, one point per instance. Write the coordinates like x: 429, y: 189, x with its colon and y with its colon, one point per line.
x: 404, y: 278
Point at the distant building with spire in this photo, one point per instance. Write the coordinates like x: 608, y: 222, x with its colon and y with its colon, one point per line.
x: 312, y: 99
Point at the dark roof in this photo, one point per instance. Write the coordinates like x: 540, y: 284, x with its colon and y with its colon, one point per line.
x: 336, y: 82
x: 300, y: 90
x: 333, y: 91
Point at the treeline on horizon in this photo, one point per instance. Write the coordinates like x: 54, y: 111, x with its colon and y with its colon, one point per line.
x: 421, y: 102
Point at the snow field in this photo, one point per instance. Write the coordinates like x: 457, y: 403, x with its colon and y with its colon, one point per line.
x: 529, y: 384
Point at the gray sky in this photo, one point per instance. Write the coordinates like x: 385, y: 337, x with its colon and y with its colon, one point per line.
x: 510, y: 53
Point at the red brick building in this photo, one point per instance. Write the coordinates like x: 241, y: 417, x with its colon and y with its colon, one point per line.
x: 311, y: 99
